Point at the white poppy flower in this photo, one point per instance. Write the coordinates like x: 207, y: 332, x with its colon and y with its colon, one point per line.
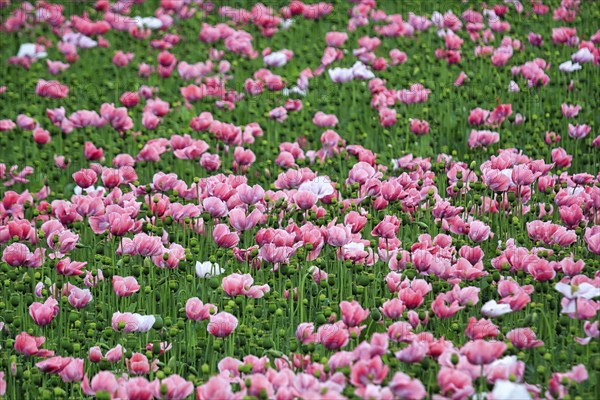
x: 356, y: 246
x: 100, y: 190
x: 286, y: 23
x: 583, y: 55
x: 29, y: 50
x: 145, y: 322
x: 275, y: 59
x: 572, y: 293
x: 79, y: 40
x: 569, y: 66
x: 321, y: 186
x: 360, y: 71
x: 513, y: 87
x: 341, y: 75
x: 148, y: 22
x: 207, y: 269
x: 492, y: 309
x: 507, y: 390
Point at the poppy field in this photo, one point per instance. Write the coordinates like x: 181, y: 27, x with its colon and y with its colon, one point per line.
x: 360, y: 199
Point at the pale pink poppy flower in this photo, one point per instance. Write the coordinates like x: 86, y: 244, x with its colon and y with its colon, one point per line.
x: 222, y: 324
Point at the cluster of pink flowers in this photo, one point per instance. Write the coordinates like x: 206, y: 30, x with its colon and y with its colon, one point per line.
x: 389, y: 256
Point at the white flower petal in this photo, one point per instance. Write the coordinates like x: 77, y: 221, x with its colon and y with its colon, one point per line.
x: 493, y: 309
x: 569, y: 66
x: 145, y: 322
x: 507, y: 390
x: 583, y: 55
x: 275, y: 59
x: 152, y: 23
x: 564, y: 289
x: 207, y: 269
x: 586, y: 291
x: 321, y: 186
x: 29, y: 50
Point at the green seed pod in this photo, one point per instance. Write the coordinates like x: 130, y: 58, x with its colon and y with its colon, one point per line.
x: 363, y: 280
x: 158, y: 323
x: 320, y: 319
x: 214, y: 283
x: 375, y: 315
